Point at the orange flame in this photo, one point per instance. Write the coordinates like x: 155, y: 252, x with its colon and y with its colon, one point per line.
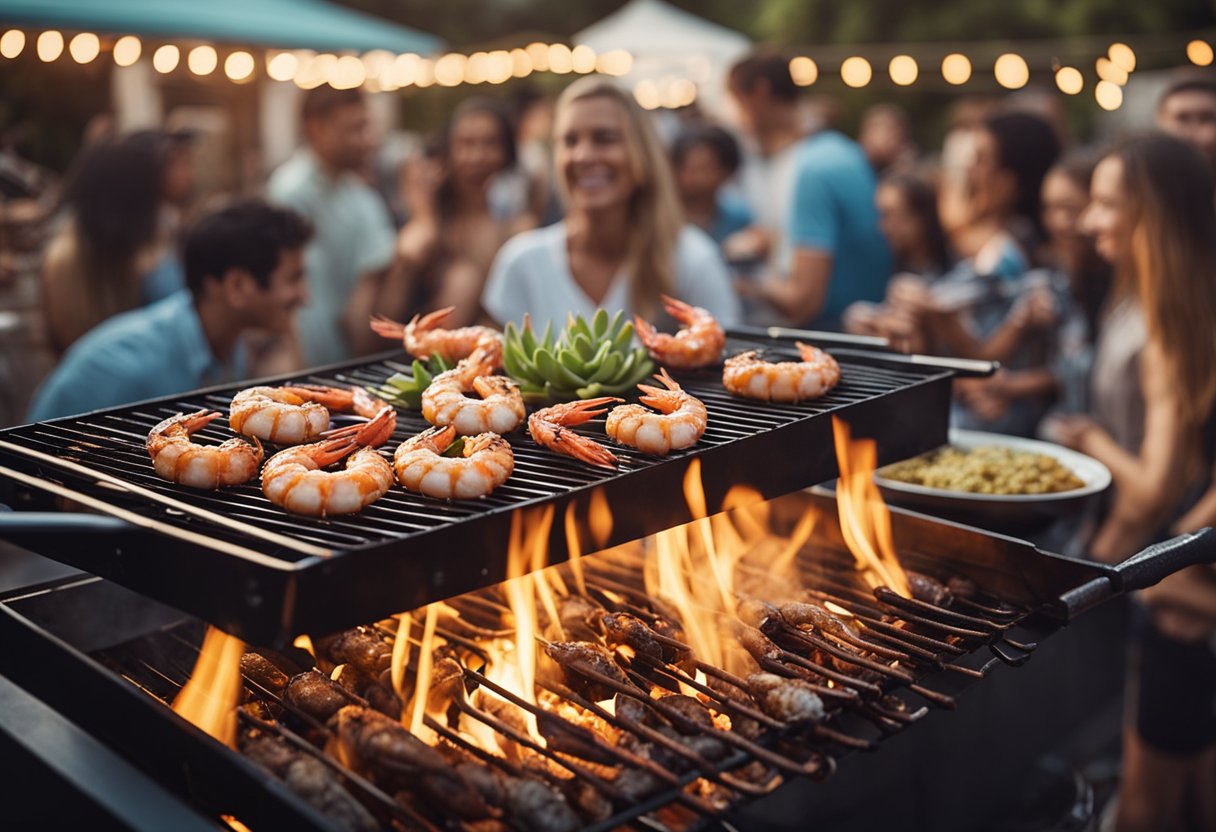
x: 573, y: 550
x: 422, y: 686
x: 209, y: 698
x: 401, y: 653
x: 305, y: 643
x: 864, y: 519
x: 599, y: 517
x: 527, y: 551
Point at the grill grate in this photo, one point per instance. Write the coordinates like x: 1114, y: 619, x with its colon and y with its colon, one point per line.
x: 439, y: 548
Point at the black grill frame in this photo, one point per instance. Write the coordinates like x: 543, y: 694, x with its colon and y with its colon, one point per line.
x: 235, y: 560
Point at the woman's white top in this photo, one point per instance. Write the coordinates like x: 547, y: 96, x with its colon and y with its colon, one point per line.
x: 532, y: 274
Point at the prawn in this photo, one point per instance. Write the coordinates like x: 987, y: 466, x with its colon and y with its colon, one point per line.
x: 422, y: 337
x: 298, y: 413
x: 680, y: 422
x: 499, y: 410
x: 177, y: 459
x: 551, y: 427
x: 487, y: 462
x: 746, y: 374
x: 294, y: 479
x: 698, y: 344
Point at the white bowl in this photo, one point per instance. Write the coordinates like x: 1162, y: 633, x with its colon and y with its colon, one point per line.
x: 1003, y: 512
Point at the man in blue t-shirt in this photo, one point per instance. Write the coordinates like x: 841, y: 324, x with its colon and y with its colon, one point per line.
x: 244, y: 270
x: 829, y: 250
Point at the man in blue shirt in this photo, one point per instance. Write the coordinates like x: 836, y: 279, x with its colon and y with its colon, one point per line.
x: 244, y: 270
x: 819, y: 189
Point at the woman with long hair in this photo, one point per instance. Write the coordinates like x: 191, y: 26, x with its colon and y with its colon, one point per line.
x: 624, y: 241
x: 460, y: 213
x: 114, y: 251
x: 1154, y: 390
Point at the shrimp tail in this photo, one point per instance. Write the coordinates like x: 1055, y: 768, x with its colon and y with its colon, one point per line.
x: 334, y: 398
x: 647, y: 334
x: 431, y: 320
x: 563, y: 440
x: 331, y: 450
x: 678, y: 309
x: 387, y: 327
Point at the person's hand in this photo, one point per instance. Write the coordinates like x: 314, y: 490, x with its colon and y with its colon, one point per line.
x: 985, y: 397
x: 861, y: 318
x: 909, y: 293
x: 1035, y: 310
x: 749, y: 244
x: 1068, y: 430
x: 420, y: 184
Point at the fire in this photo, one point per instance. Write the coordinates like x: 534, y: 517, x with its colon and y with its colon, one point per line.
x: 573, y: 550
x: 401, y: 653
x: 600, y: 518
x: 305, y: 643
x: 864, y: 519
x: 422, y: 686
x: 210, y: 698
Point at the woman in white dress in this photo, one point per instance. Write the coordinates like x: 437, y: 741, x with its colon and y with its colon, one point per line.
x: 624, y: 240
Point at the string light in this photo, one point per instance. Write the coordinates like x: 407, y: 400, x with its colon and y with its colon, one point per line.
x: 1108, y: 70
x: 348, y: 72
x: 500, y: 66
x: 856, y: 72
x: 202, y: 60
x: 404, y: 70
x: 1108, y: 95
x: 477, y: 68
x: 647, y: 94
x: 1011, y: 71
x: 1069, y: 80
x: 903, y: 70
x: 615, y: 62
x: 376, y: 63
x: 50, y: 46
x: 315, y: 70
x: 283, y: 66
x: 127, y: 50
x: 521, y: 63
x: 956, y: 69
x: 539, y: 53
x: 582, y: 59
x: 166, y: 58
x: 12, y: 43
x: 449, y: 70
x: 239, y: 66
x: 561, y: 60
x: 1199, y: 52
x: 84, y: 47
x: 1123, y: 56
x: 804, y: 71
x: 425, y: 74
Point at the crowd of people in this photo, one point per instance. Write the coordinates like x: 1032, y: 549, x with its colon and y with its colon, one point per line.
x: 1088, y: 273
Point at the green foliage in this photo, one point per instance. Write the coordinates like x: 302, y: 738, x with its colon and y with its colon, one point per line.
x: 405, y: 388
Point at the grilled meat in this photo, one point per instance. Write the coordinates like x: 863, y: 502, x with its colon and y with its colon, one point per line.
x: 316, y: 694
x: 380, y: 748
x: 579, y: 616
x: 577, y: 658
x: 363, y: 650
x: 694, y: 717
x: 759, y: 614
x: 447, y: 683
x: 927, y: 589
x: 789, y: 700
x: 637, y: 784
x: 383, y: 699
x: 805, y: 614
x: 534, y: 806
x: 313, y: 781
x: 760, y: 646
x: 962, y: 587
x: 258, y: 669
x: 623, y: 628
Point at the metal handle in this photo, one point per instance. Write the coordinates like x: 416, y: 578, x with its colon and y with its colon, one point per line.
x: 16, y: 523
x: 785, y: 333
x: 1161, y: 560
x: 961, y: 366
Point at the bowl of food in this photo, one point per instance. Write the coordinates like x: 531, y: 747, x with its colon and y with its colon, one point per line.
x: 1003, y: 483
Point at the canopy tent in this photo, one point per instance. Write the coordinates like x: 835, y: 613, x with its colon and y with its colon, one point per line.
x: 669, y: 43
x: 311, y: 24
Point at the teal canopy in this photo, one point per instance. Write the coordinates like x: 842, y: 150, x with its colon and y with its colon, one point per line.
x: 289, y: 24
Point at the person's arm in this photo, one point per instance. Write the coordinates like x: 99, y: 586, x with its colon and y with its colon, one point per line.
x: 801, y: 296
x: 703, y: 279
x: 506, y: 296
x: 1147, y: 483
x: 814, y: 235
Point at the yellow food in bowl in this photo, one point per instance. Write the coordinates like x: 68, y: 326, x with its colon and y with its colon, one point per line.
x: 986, y: 470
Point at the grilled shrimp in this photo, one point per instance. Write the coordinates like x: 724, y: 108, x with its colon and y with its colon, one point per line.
x: 698, y: 344
x: 487, y: 462
x: 499, y: 410
x: 297, y: 413
x: 679, y: 423
x: 551, y: 427
x: 176, y: 458
x: 295, y: 479
x: 422, y: 337
x: 746, y: 374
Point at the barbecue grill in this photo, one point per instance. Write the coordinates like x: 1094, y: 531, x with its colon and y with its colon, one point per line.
x: 233, y: 560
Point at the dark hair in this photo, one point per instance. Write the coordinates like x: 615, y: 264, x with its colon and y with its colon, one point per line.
x: 922, y: 202
x: 1188, y: 82
x: 1091, y: 284
x: 245, y: 234
x: 770, y: 66
x: 1027, y: 147
x: 322, y: 101
x: 489, y: 107
x: 721, y: 142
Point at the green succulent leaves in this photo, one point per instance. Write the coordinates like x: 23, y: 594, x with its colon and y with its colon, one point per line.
x: 588, y: 359
x: 404, y: 389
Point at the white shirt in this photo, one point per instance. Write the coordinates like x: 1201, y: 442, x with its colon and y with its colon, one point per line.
x: 767, y: 183
x: 532, y: 274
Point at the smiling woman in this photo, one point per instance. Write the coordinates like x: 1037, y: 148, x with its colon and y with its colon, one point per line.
x: 624, y: 241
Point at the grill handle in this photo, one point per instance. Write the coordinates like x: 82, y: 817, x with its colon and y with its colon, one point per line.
x: 868, y: 346
x: 1163, y: 559
x: 15, y: 524
x: 1141, y: 570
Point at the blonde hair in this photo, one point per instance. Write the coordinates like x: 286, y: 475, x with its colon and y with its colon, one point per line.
x: 656, y: 217
x: 1173, y: 260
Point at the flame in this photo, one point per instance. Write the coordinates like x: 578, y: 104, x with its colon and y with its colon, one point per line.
x: 210, y: 698
x: 527, y: 551
x: 305, y: 643
x: 422, y: 686
x: 783, y: 564
x: 234, y: 824
x: 749, y: 512
x: 573, y: 550
x: 864, y: 519
x: 336, y: 672
x: 599, y: 517
x: 836, y: 608
x: 401, y: 653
